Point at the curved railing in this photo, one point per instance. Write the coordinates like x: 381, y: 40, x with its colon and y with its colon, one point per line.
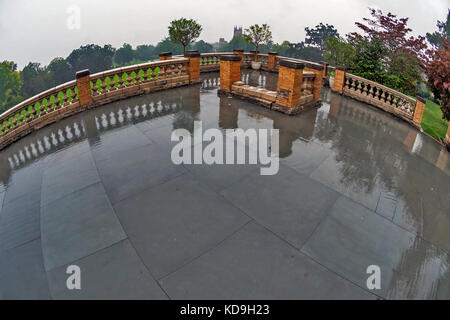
x: 105, y: 87
x: 378, y: 95
x: 63, y: 101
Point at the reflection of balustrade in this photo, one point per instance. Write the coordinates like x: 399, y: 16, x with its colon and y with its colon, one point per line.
x: 50, y: 142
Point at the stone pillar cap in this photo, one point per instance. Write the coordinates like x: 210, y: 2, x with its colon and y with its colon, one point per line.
x: 254, y: 51
x: 82, y: 73
x: 192, y: 54
x: 274, y: 53
x: 230, y: 57
x: 292, y: 64
x: 421, y: 99
x: 165, y: 54
x: 341, y: 68
x: 238, y: 50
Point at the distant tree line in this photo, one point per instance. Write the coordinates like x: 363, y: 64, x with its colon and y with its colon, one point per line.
x: 16, y: 86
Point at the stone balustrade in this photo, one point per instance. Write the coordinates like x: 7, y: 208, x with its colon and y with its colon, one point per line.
x: 98, y: 89
x: 383, y: 97
x: 172, y: 71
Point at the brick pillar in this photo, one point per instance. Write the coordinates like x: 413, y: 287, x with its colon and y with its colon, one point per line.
x: 165, y: 56
x: 290, y: 79
x: 418, y: 110
x: 325, y: 69
x: 339, y: 78
x: 318, y: 80
x: 240, y: 53
x: 194, y: 65
x: 272, y: 60
x: 230, y: 71
x: 254, y: 54
x: 84, y: 87
x: 447, y: 136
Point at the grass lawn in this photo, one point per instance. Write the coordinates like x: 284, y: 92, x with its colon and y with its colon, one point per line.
x: 432, y: 122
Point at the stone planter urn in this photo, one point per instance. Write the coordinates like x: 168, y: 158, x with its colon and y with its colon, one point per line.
x: 256, y: 65
x: 331, y: 81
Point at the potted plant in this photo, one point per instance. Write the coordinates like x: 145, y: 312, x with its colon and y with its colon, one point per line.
x: 331, y: 80
x: 257, y: 35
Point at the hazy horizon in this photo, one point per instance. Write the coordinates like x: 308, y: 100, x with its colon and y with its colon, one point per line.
x: 37, y: 31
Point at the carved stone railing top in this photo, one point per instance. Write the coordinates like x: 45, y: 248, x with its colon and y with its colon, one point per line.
x: 38, y: 105
x: 379, y: 95
x: 105, y: 81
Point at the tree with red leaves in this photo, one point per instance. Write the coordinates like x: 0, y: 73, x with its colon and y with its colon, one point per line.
x: 404, y: 59
x: 438, y: 73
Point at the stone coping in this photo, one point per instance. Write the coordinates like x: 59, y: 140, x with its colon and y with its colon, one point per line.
x: 292, y: 64
x: 231, y: 57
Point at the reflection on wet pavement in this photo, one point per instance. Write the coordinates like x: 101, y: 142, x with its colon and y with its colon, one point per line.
x: 356, y: 187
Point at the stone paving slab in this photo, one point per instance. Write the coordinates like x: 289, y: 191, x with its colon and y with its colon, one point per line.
x: 306, y: 156
x: 112, y: 273
x: 175, y: 222
x: 289, y: 204
x: 78, y: 174
x: 78, y: 225
x: 22, y: 273
x: 19, y: 220
x: 255, y: 264
x: 352, y: 238
x: 364, y: 190
x: 132, y: 172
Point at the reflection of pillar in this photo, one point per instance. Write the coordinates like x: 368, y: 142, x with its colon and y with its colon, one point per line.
x: 230, y: 71
x: 193, y: 97
x: 335, y: 102
x: 165, y: 56
x: 418, y: 110
x: 410, y: 140
x: 240, y: 53
x: 339, y: 78
x: 91, y: 130
x: 442, y: 159
x: 292, y: 128
x: 228, y: 115
x: 194, y: 65
x: 5, y: 170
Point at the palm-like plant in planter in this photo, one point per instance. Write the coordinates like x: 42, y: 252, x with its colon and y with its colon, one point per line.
x: 257, y: 35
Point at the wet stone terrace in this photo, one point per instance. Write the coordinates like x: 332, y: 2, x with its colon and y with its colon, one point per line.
x: 356, y: 187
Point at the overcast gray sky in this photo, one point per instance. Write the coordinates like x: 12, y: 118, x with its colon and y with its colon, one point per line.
x: 37, y: 31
